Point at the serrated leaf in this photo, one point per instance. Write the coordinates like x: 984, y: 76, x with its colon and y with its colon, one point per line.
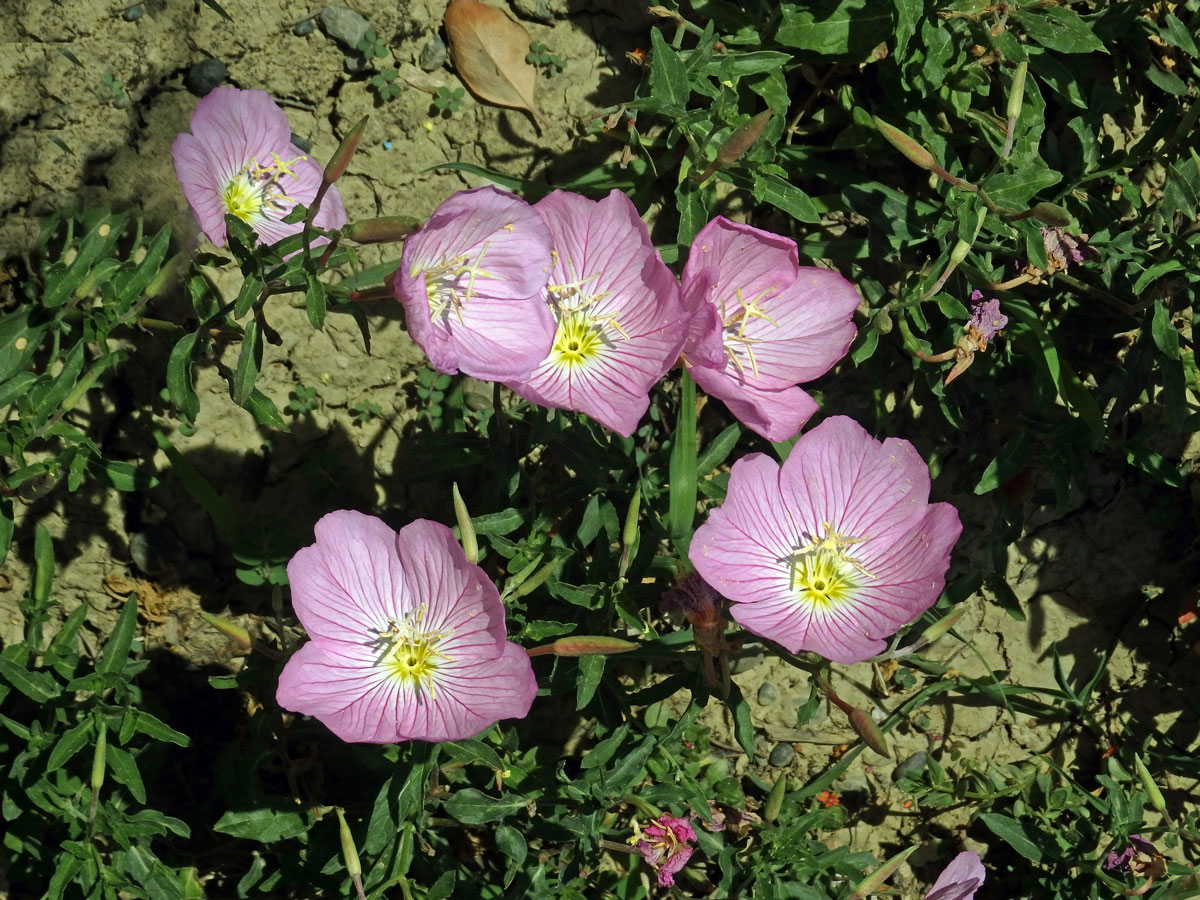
x: 1061, y: 29
x: 263, y: 825
x: 849, y: 29
x: 473, y: 807
x: 669, y: 86
x: 315, y: 302
x: 37, y: 686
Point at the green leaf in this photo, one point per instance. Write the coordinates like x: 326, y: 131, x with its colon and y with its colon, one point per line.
x: 179, y: 377
x: 779, y: 193
x: 591, y: 670
x: 504, y: 522
x: 1166, y: 338
x: 263, y: 825
x: 629, y: 769
x: 47, y: 402
x: 850, y: 29
x: 1015, y: 190
x: 131, y: 290
x: 1061, y: 29
x: 37, y: 686
x: 116, y: 649
x: 216, y: 7
x: 43, y: 566
x: 72, y: 741
x: 265, y: 411
x: 511, y: 843
x: 681, y: 513
x: 743, y: 725
x: 669, y: 87
x: 443, y: 887
x: 718, y: 450
x: 19, y: 341
x: 1016, y: 834
x: 155, y: 728
x: 315, y: 301
x: 123, y: 476
x: 473, y: 807
x: 125, y: 770
x: 249, y: 363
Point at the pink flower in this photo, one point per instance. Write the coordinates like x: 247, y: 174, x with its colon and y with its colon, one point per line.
x: 621, y: 322
x: 986, y: 317
x: 765, y: 324
x: 408, y: 638
x: 959, y: 880
x: 665, y: 846
x: 833, y: 551
x: 472, y: 282
x: 240, y: 159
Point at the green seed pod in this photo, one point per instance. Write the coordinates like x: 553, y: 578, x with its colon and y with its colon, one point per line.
x: 775, y: 799
x: 466, y: 528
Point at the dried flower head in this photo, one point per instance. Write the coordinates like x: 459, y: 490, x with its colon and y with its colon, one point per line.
x: 666, y: 845
x: 620, y: 320
x: 239, y: 160
x: 986, y: 317
x: 471, y: 281
x: 763, y: 325
x: 834, y: 550
x: 960, y: 879
x: 408, y: 638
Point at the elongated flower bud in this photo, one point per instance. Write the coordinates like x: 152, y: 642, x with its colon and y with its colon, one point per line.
x: 873, y: 882
x: 866, y: 729
x: 229, y: 629
x: 1016, y: 95
x: 382, y: 230
x: 345, y: 151
x: 743, y: 138
x: 906, y: 145
x: 775, y: 799
x: 466, y: 529
x: 1156, y: 798
x: 584, y: 645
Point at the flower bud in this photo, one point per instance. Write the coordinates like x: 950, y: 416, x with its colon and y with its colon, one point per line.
x: 906, y: 145
x: 942, y: 625
x: 1143, y: 774
x: 629, y: 534
x: 743, y: 138
x: 873, y: 882
x: 584, y: 645
x: 466, y: 529
x: 866, y: 729
x: 383, y: 230
x: 341, y: 157
x: 349, y: 851
x: 1016, y: 94
x: 229, y: 629
x: 1051, y: 214
x: 775, y: 799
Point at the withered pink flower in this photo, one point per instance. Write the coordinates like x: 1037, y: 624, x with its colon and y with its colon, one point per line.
x: 408, y: 637
x: 960, y: 879
x: 472, y: 283
x: 666, y: 845
x: 620, y: 320
x: 833, y: 551
x: 986, y: 317
x: 240, y: 160
x: 765, y: 324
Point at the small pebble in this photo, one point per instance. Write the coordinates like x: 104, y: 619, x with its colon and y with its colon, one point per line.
x: 782, y: 755
x: 345, y: 26
x: 747, y: 662
x: 133, y: 13
x: 767, y: 693
x: 911, y: 766
x: 204, y: 76
x: 538, y: 10
x: 305, y: 28
x: 433, y: 54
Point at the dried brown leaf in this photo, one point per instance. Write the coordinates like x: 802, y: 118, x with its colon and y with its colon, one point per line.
x: 489, y: 48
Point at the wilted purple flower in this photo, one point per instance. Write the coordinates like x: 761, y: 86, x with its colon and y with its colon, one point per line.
x: 621, y: 322
x: 472, y: 282
x: 959, y: 880
x: 986, y: 317
x: 1139, y: 850
x: 665, y: 845
x: 240, y: 160
x: 833, y: 551
x: 1063, y: 248
x: 764, y: 324
x: 408, y: 638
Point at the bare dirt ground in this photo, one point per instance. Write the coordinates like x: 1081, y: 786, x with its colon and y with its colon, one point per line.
x: 65, y: 132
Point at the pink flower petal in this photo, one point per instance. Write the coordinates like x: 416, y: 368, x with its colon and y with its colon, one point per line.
x: 485, y: 255
x: 609, y: 289
x: 960, y: 880
x: 777, y: 415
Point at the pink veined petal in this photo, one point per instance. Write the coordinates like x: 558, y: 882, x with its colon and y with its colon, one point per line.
x: 348, y: 584
x: 841, y: 475
x: 503, y: 329
x: 471, y: 697
x: 742, y: 548
x: 200, y: 186
x: 450, y: 592
x: 747, y: 258
x: 603, y: 250
x: 339, y: 683
x: 777, y: 415
x: 704, y: 345
x: 960, y: 879
x: 235, y: 126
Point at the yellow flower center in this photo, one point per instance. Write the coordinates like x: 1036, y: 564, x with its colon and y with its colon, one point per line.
x: 823, y: 574
x: 577, y: 341
x: 450, y: 282
x: 582, y: 332
x: 410, y: 654
x: 256, y: 189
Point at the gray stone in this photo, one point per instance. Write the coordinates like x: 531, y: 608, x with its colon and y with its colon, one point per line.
x: 204, y: 76
x: 305, y: 28
x: 345, y: 26
x: 767, y: 693
x: 433, y: 54
x: 538, y: 10
x: 746, y: 662
x: 134, y: 13
x: 782, y: 755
